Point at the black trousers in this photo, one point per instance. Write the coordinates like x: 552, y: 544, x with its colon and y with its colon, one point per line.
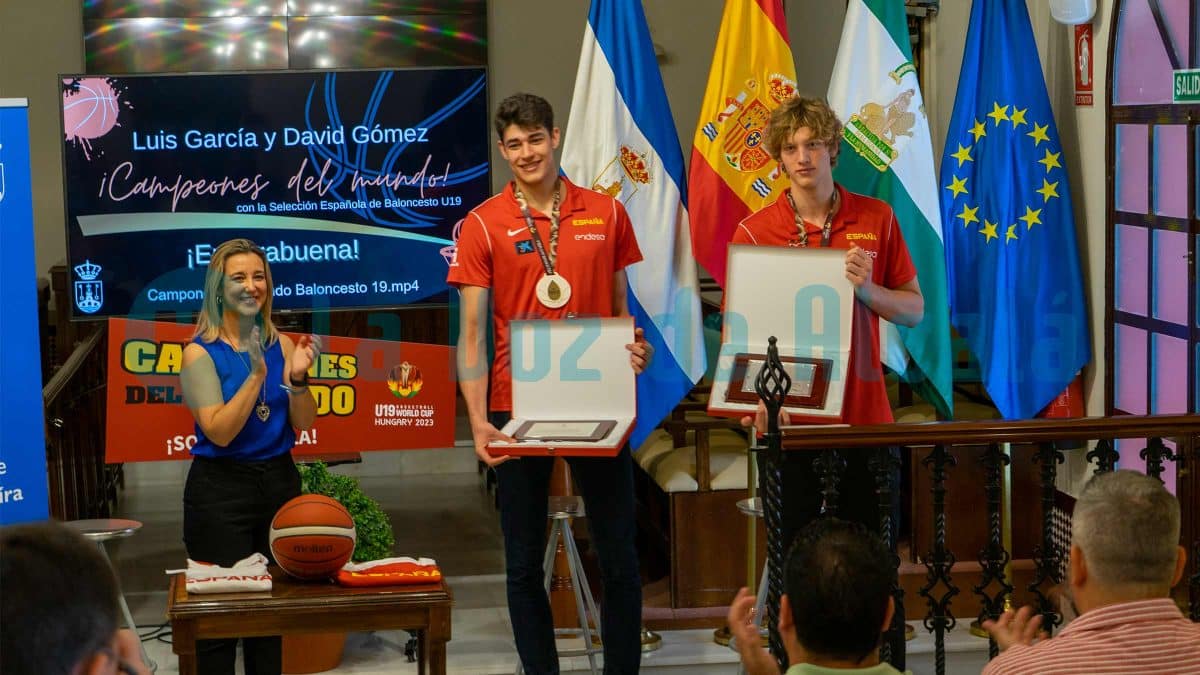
x: 227, y: 510
x: 606, y: 484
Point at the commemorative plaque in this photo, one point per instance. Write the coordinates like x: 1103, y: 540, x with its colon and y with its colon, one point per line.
x: 800, y: 297
x: 810, y: 380
x: 564, y: 430
x: 574, y: 392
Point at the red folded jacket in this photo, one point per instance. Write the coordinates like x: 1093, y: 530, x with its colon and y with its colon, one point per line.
x: 390, y: 572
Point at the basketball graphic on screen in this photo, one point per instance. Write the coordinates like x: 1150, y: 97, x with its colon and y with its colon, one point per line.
x: 89, y: 111
x: 312, y: 537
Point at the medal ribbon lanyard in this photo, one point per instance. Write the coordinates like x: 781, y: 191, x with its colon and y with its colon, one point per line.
x: 548, y: 258
x: 826, y: 229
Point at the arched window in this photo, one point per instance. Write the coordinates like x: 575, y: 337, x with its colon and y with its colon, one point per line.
x: 1152, y: 215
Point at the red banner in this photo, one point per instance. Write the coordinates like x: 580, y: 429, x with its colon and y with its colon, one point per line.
x: 371, y: 395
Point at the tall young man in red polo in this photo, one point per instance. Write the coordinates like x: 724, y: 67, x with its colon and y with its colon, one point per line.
x: 804, y: 136
x: 512, y: 249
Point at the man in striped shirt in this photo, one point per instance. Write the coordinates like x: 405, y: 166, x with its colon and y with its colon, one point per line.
x: 1125, y: 557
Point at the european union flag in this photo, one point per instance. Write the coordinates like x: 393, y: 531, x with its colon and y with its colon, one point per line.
x: 1016, y: 293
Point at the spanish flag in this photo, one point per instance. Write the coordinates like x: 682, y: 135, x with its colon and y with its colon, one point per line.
x: 731, y: 175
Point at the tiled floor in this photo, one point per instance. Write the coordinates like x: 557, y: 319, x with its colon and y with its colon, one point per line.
x: 437, y: 509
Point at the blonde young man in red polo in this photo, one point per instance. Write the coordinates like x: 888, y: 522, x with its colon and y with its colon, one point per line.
x: 512, y: 249
x: 804, y: 136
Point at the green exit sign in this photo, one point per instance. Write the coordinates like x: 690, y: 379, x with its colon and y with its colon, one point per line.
x: 1186, y: 86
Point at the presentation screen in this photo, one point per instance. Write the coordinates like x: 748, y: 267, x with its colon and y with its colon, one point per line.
x: 352, y: 182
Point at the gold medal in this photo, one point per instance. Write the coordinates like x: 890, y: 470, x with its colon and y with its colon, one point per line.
x: 553, y: 291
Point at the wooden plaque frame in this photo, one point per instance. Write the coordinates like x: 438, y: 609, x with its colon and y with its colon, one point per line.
x: 814, y: 399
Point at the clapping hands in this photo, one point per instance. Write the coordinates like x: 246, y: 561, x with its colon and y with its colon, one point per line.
x: 308, y: 348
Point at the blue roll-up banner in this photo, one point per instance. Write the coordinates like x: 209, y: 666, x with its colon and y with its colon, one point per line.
x: 23, y: 495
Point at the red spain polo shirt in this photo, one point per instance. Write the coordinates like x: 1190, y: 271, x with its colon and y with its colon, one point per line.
x: 495, y: 251
x: 871, y: 224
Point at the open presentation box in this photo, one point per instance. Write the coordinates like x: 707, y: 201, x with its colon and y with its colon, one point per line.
x: 573, y: 390
x: 801, y: 297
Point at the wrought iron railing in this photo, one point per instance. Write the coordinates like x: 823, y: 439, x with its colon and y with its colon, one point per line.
x: 938, y: 447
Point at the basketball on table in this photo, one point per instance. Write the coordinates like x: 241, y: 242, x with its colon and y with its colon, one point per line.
x: 312, y: 537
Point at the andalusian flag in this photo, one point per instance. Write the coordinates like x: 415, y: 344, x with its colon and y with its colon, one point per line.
x: 886, y: 153
x: 731, y: 175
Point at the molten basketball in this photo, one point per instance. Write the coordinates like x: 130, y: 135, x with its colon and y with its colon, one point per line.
x: 312, y: 537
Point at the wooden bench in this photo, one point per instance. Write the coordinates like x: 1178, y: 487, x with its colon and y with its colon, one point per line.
x: 298, y: 607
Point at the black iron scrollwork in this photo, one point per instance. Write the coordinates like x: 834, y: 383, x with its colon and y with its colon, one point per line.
x: 1105, y: 455
x: 1155, y: 453
x: 883, y: 465
x: 829, y: 466
x: 772, y: 385
x: 1194, y: 586
x: 993, y: 558
x: 939, y: 560
x: 1048, y: 555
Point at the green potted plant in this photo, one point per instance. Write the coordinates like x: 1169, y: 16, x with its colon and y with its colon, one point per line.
x: 315, y: 653
x: 371, y: 524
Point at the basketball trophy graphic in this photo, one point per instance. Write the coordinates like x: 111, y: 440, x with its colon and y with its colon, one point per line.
x: 404, y: 380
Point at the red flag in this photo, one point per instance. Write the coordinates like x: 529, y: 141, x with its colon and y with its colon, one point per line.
x: 731, y: 175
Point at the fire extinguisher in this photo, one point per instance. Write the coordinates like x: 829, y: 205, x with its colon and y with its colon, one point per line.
x: 1067, y: 404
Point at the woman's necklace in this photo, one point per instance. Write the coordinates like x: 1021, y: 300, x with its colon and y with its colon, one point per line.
x: 262, y: 409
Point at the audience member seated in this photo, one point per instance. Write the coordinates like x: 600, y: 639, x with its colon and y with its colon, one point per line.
x: 59, y: 606
x: 838, y: 603
x: 1125, y: 557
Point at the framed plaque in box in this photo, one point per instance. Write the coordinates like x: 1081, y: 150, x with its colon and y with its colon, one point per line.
x: 810, y: 380
x: 573, y: 389
x: 801, y: 297
x: 564, y: 430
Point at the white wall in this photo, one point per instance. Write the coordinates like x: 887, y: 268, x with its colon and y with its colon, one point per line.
x: 40, y: 40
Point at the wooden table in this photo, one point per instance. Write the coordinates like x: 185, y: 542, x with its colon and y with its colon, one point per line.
x: 310, y: 607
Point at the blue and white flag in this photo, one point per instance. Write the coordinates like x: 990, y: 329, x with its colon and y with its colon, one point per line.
x: 621, y: 139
